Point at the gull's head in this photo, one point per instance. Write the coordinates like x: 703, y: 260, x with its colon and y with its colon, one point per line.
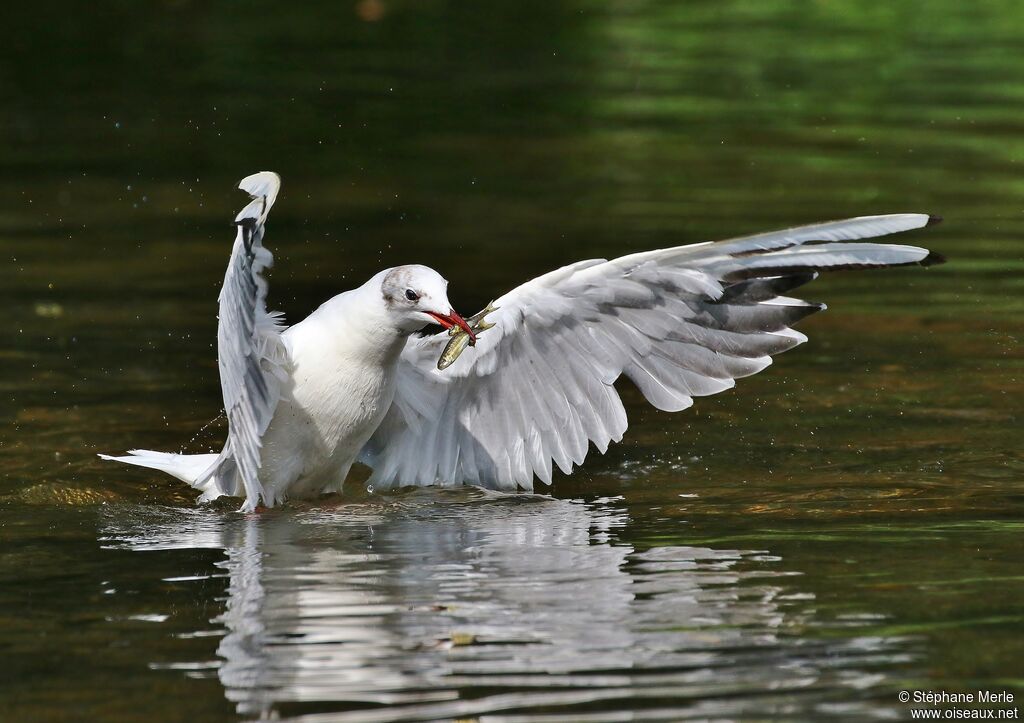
x: 415, y: 296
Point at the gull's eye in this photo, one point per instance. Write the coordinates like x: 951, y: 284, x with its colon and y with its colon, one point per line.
x: 411, y: 295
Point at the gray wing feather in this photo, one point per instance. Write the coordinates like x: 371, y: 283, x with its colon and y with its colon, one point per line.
x: 537, y: 389
x: 250, y: 354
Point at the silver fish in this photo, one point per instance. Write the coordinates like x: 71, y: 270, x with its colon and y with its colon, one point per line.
x: 456, y: 345
x: 460, y: 339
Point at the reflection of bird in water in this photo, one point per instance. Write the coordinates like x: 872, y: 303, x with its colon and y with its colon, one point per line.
x: 352, y: 383
x: 483, y: 605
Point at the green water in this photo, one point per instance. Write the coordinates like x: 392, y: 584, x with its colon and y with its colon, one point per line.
x: 846, y: 525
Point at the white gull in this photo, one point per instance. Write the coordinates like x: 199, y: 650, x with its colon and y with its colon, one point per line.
x: 353, y: 382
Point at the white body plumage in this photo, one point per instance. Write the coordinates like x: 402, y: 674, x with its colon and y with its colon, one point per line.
x: 342, y: 368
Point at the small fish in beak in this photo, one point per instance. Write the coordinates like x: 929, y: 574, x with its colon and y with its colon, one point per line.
x: 462, y: 337
x: 452, y: 321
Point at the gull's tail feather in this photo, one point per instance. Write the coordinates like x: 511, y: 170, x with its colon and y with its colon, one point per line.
x: 186, y: 467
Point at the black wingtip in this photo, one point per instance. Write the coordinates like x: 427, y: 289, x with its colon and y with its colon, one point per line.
x: 933, y: 219
x: 933, y: 259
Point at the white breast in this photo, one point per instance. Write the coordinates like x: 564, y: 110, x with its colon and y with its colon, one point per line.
x: 342, y: 383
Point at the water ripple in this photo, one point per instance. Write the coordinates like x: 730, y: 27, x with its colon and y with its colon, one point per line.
x: 433, y: 608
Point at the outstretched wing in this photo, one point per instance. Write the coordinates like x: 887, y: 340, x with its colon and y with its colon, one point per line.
x: 250, y: 354
x: 680, y: 323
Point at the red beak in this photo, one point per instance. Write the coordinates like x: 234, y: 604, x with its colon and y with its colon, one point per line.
x: 453, y: 319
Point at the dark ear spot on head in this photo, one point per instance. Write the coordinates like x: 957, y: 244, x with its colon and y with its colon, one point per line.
x: 395, y: 283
